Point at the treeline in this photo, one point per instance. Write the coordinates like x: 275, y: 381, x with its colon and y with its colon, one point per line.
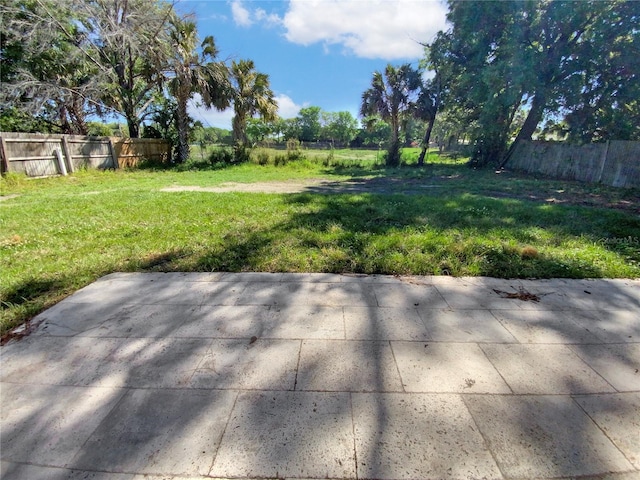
x: 505, y: 71
x: 64, y: 61
x: 312, y: 126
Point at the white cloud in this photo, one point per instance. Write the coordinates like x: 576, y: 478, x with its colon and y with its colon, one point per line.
x: 241, y: 15
x: 269, y: 19
x: 287, y: 108
x: 387, y: 29
x: 244, y: 17
x: 210, y: 117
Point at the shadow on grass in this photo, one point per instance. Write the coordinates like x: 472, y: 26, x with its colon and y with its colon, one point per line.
x: 411, y: 234
x: 30, y: 290
x: 30, y: 297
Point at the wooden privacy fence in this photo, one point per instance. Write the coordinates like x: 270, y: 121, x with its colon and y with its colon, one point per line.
x: 130, y: 151
x: 42, y: 155
x: 615, y: 163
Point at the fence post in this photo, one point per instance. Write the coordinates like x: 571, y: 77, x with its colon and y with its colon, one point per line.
x: 114, y: 158
x: 61, y: 165
x: 605, y: 154
x: 4, y: 165
x: 67, y: 154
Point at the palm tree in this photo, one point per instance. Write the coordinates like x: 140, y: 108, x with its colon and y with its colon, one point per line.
x: 192, y: 72
x: 390, y: 97
x: 251, y: 95
x: 426, y: 108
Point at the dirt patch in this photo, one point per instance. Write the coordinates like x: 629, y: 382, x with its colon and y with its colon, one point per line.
x: 376, y: 185
x: 576, y: 195
x: 258, y: 187
x: 630, y: 204
x: 8, y: 197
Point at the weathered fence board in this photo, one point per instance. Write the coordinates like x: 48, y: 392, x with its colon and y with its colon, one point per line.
x: 130, y: 151
x: 622, y: 168
x: 38, y: 155
x: 615, y: 163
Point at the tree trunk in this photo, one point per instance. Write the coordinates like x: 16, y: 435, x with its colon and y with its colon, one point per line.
x: 182, y: 151
x: 425, y: 141
x: 134, y: 128
x: 393, y: 154
x: 529, y: 127
x: 238, y: 127
x: 65, y: 126
x: 76, y: 112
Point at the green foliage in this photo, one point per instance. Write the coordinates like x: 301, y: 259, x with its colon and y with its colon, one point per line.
x: 252, y: 95
x: 329, y: 160
x: 376, y: 132
x: 87, y: 57
x: 391, y: 97
x: 13, y: 180
x: 290, y: 128
x: 262, y: 157
x: 258, y: 130
x: 293, y: 150
x: 163, y: 122
x: 281, y: 160
x: 222, y: 156
x: 15, y: 120
x: 338, y: 127
x: 99, y: 129
x: 193, y: 71
x: 309, y: 124
x: 241, y: 153
x: 506, y: 66
x: 43, y: 74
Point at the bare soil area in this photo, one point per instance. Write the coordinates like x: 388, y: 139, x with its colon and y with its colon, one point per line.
x: 575, y: 195
x: 375, y: 185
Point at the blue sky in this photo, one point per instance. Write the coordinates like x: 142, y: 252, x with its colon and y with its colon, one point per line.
x: 316, y: 52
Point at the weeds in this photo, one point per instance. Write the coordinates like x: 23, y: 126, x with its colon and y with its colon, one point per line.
x: 262, y: 157
x: 224, y: 156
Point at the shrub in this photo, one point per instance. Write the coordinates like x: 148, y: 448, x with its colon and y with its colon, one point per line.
x: 293, y: 150
x: 293, y: 144
x: 241, y: 153
x: 329, y: 159
x: 262, y: 157
x: 221, y: 156
x: 281, y: 160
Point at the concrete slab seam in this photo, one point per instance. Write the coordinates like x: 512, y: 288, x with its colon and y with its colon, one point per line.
x: 573, y: 349
x: 295, y: 381
x: 116, y: 404
x: 496, y: 369
x: 442, y: 297
x: 202, y: 360
x: 224, y: 430
x: 492, y: 313
x: 484, y: 438
x: 601, y: 429
x: 353, y: 434
x: 395, y: 361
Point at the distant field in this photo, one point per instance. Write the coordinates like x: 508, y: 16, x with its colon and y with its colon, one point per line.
x: 60, y: 234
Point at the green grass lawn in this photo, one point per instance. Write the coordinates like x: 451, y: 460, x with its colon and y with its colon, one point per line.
x: 59, y: 234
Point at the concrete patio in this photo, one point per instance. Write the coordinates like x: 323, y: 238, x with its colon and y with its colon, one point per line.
x: 258, y: 375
